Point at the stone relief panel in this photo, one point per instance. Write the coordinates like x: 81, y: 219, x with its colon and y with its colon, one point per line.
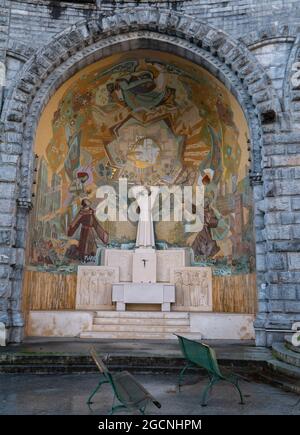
x: 168, y: 260
x: 94, y: 287
x: 121, y: 258
x: 193, y: 286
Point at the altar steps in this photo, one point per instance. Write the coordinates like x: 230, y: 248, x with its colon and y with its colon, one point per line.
x: 134, y: 322
x: 149, y: 325
x: 136, y: 328
x: 142, y: 335
x: 143, y: 314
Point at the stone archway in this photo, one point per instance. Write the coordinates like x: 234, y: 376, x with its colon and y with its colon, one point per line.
x: 89, y: 41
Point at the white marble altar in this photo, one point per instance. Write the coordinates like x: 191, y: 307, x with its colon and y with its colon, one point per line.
x: 166, y: 261
x: 192, y: 285
x: 145, y: 275
x: 144, y: 265
x: 143, y: 293
x: 94, y: 287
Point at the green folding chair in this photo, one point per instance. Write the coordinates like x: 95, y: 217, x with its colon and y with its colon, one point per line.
x: 102, y: 369
x: 127, y: 390
x: 201, y: 355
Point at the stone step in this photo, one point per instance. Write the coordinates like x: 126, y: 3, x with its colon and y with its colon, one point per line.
x: 128, y: 335
x: 289, y: 344
x: 143, y: 314
x: 48, y: 369
x: 154, y: 356
x: 137, y: 335
x: 286, y: 355
x: 280, y: 381
x: 138, y: 321
x: 140, y: 329
x: 284, y: 368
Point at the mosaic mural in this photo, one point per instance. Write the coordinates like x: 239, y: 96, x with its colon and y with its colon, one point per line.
x: 149, y: 117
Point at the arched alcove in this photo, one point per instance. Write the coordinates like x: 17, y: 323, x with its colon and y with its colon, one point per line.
x: 151, y: 117
x: 89, y: 41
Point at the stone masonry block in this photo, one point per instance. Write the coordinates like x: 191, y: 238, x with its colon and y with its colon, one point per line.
x: 296, y: 203
x: 276, y: 261
x: 278, y: 232
x: 276, y: 306
x: 295, y: 231
x: 294, y: 260
x: 278, y: 204
x: 282, y: 291
x: 292, y: 307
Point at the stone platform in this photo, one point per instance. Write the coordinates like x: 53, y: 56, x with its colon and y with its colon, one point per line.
x: 61, y: 355
x: 144, y: 325
x: 145, y: 280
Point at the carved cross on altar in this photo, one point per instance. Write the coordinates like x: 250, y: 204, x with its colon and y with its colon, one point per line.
x: 144, y: 261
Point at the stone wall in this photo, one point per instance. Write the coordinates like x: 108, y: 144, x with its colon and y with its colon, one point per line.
x: 257, y: 58
x: 236, y: 17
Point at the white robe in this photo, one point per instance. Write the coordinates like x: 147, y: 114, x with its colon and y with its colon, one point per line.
x: 145, y: 231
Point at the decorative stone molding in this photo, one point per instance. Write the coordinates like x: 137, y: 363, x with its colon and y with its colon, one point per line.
x: 170, y: 23
x: 275, y: 32
x: 292, y: 85
x: 19, y: 50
